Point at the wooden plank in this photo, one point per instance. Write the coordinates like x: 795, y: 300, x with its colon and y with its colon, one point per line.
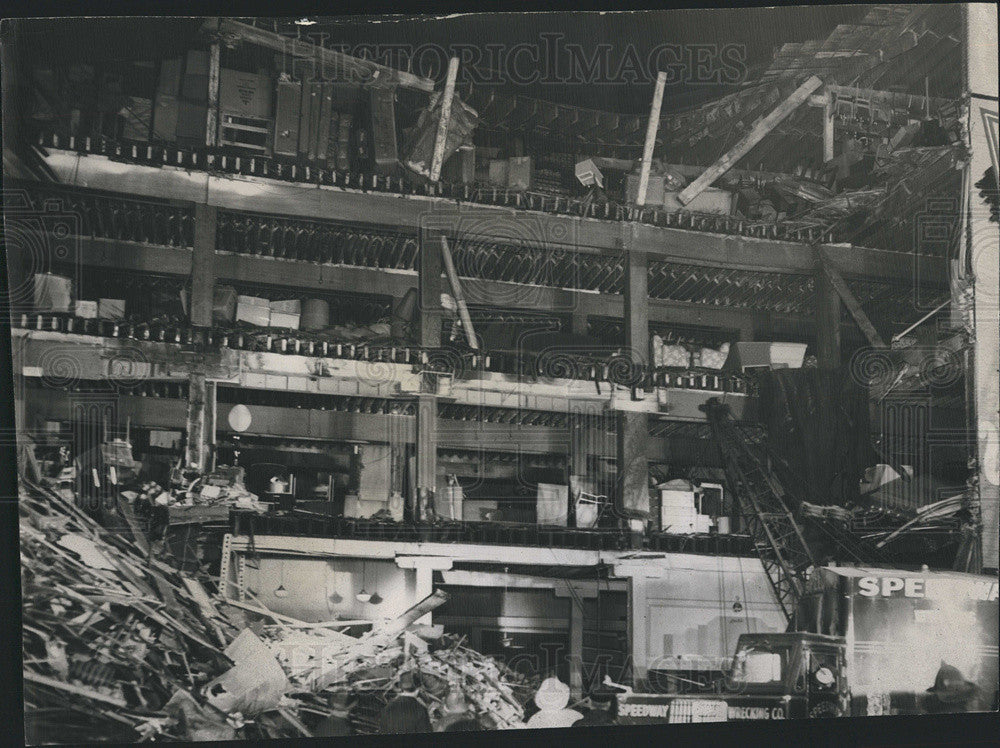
x: 337, y: 60
x: 456, y: 289
x: 447, y: 98
x: 651, y: 128
x: 851, y: 302
x: 828, y: 127
x: 756, y: 134
x: 212, y: 117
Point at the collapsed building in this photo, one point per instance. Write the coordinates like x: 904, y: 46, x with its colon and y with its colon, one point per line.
x: 615, y: 383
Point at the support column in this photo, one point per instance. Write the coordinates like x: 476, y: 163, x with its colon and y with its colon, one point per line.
x: 212, y: 120
x: 576, y: 648
x: 827, y: 322
x: 633, y: 428
x: 431, y: 316
x: 828, y: 127
x: 430, y: 287
x: 424, y: 568
x: 426, y: 454
x: 203, y: 265
x: 196, y: 422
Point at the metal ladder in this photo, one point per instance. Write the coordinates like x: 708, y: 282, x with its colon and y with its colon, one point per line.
x: 776, y: 535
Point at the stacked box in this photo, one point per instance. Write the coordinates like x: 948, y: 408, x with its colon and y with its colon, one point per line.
x: 85, y: 309
x: 111, y: 308
x: 519, y: 172
x: 284, y: 321
x: 293, y: 306
x: 53, y: 293
x: 677, y: 511
x: 253, y: 310
x: 552, y: 504
x: 499, y: 170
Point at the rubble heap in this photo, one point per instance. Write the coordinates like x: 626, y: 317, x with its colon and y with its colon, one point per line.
x: 121, y: 647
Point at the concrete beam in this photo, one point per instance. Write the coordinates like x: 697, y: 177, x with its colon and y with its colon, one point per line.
x: 203, y: 265
x: 466, y: 221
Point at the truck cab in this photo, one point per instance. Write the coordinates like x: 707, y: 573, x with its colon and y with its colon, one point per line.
x: 807, y: 672
x: 773, y: 677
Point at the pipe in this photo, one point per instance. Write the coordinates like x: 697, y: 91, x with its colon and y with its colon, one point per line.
x: 456, y: 290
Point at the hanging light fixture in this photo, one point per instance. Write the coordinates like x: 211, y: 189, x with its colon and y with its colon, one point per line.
x: 363, y: 596
x: 280, y: 590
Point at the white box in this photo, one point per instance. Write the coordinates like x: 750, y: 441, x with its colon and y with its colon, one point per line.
x: 253, y: 301
x: 284, y: 321
x: 788, y: 354
x: 674, y: 498
x: 709, y: 200
x: 85, y: 309
x: 553, y: 504
x: 111, y: 308
x: 293, y: 306
x: 253, y: 314
x: 53, y: 293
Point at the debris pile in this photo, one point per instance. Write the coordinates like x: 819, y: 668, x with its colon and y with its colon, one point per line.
x: 111, y: 639
x: 121, y: 647
x: 203, y: 491
x: 329, y: 661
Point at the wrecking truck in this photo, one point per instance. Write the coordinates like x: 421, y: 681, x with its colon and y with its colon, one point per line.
x: 862, y: 641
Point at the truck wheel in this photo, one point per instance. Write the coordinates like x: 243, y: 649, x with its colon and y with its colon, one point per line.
x: 823, y: 710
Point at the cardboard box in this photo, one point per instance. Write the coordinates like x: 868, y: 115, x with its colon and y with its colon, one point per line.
x: 460, y: 166
x: 197, y: 62
x: 111, y: 308
x: 499, y: 170
x: 552, y: 504
x: 85, y: 309
x: 53, y: 293
x: 170, y: 78
x: 192, y: 120
x: 654, y: 190
x: 286, y: 121
x: 519, y: 173
x: 293, y: 306
x: 284, y: 321
x: 165, y: 118
x: 245, y: 94
x: 710, y: 200
x: 253, y: 314
x: 748, y: 355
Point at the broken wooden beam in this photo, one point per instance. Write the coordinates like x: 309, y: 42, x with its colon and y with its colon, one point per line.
x: 456, y: 290
x: 339, y: 61
x: 442, y: 132
x: 651, y: 128
x: 752, y: 138
x: 850, y: 301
